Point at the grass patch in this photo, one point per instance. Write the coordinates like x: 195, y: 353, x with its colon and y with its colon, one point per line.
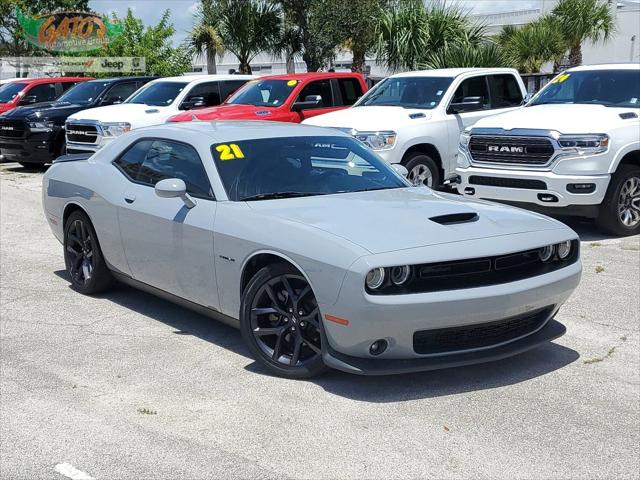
x: 595, y: 244
x: 600, y: 359
x: 147, y: 411
x: 599, y: 269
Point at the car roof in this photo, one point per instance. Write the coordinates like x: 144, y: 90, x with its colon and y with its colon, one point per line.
x: 310, y: 75
x: 238, y: 130
x: 124, y: 79
x: 37, y: 81
x: 606, y: 66
x: 204, y: 78
x: 453, y: 72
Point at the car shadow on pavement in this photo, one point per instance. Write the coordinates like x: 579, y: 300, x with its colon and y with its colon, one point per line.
x: 379, y: 389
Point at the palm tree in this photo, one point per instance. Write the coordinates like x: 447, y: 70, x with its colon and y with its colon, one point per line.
x: 529, y: 47
x: 583, y: 20
x: 204, y: 38
x: 247, y: 28
x: 484, y: 55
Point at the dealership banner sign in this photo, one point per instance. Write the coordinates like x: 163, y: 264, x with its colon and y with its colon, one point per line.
x: 87, y: 65
x: 68, y: 31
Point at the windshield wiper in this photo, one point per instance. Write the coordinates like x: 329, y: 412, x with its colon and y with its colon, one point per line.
x: 275, y: 195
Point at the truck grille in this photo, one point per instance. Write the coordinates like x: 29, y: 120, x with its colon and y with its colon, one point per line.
x: 508, y: 182
x: 511, y: 150
x: 12, y: 129
x: 77, y: 133
x: 468, y: 337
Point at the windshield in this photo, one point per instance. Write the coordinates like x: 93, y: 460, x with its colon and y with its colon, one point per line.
x: 300, y: 166
x: 264, y: 93
x: 612, y: 88
x: 407, y: 92
x: 159, y: 94
x: 10, y: 90
x: 84, y: 93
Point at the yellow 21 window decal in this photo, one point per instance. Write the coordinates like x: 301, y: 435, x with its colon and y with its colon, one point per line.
x: 229, y: 152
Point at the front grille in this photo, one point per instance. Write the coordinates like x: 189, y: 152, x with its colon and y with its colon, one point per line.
x: 82, y: 133
x: 12, y: 129
x: 478, y: 272
x: 508, y: 182
x: 468, y: 337
x: 511, y: 150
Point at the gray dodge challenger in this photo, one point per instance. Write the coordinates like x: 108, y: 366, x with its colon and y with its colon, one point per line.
x: 321, y: 253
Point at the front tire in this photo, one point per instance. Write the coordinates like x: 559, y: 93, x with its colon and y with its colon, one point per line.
x: 620, y: 212
x: 280, y: 322
x: 82, y: 256
x: 422, y: 170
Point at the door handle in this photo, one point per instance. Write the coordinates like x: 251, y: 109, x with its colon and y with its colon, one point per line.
x: 129, y: 198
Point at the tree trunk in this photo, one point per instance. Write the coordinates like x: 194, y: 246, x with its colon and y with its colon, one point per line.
x: 212, y: 68
x: 291, y: 64
x: 358, y: 63
x: 313, y: 65
x: 244, y: 68
x: 575, y: 56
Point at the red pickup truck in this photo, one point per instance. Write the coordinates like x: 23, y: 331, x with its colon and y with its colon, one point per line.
x: 285, y: 98
x: 27, y: 91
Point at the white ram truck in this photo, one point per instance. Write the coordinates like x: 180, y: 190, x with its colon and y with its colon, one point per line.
x: 574, y: 149
x: 415, y: 118
x: 89, y: 130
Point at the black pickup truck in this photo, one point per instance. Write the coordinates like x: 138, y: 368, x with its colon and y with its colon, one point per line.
x: 35, y: 134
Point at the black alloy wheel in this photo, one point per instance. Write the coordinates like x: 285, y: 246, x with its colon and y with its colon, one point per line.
x: 280, y: 322
x: 82, y: 256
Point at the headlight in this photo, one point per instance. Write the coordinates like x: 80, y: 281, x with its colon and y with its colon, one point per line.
x: 375, y: 278
x: 377, y: 140
x: 115, y: 129
x: 41, y: 126
x: 400, y: 275
x: 564, y: 249
x: 465, y: 138
x: 546, y: 253
x: 584, y: 144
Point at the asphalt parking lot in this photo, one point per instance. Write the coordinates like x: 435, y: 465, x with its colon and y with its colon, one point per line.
x: 125, y: 385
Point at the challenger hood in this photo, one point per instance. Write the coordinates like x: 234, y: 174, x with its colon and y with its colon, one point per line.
x: 371, y: 118
x: 387, y: 220
x: 137, y: 114
x: 565, y: 118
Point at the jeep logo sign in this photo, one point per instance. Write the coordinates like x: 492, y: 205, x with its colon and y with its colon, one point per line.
x: 504, y: 149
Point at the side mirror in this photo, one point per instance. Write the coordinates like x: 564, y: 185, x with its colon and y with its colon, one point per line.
x: 111, y: 101
x: 173, y: 188
x: 526, y: 98
x: 468, y: 104
x: 29, y: 100
x: 310, y: 101
x: 401, y: 169
x: 194, y: 102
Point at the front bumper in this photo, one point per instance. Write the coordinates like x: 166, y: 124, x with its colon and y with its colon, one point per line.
x: 34, y: 147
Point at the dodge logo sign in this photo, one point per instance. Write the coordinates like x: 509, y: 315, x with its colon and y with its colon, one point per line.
x: 505, y: 149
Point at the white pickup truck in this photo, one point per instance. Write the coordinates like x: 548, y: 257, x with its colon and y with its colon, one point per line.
x: 415, y: 118
x: 89, y: 130
x: 574, y: 149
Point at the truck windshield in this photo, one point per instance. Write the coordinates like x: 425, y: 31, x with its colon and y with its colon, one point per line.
x: 10, y: 90
x: 84, y: 93
x: 158, y: 94
x: 287, y: 167
x: 263, y: 93
x: 407, y: 92
x: 611, y: 88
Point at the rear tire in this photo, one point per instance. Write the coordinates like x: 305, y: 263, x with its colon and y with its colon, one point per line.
x: 82, y: 256
x: 422, y: 170
x: 280, y: 322
x: 620, y: 211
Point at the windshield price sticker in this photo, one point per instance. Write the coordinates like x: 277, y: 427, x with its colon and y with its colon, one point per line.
x: 561, y: 78
x: 229, y: 151
x: 292, y: 83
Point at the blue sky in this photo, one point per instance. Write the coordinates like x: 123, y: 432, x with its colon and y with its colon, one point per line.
x: 182, y: 10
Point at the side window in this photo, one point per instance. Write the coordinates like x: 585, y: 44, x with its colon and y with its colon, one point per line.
x: 320, y: 87
x: 209, y: 91
x: 229, y: 86
x: 119, y: 93
x: 505, y: 91
x: 130, y: 161
x: 67, y: 85
x: 167, y: 159
x: 473, y: 87
x: 43, y: 93
x: 350, y: 90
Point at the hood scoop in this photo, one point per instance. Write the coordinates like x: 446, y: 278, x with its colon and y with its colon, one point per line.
x: 416, y: 115
x: 455, y: 218
x: 628, y: 115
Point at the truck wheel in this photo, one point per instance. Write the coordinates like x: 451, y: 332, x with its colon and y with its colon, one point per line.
x: 620, y: 212
x: 422, y: 170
